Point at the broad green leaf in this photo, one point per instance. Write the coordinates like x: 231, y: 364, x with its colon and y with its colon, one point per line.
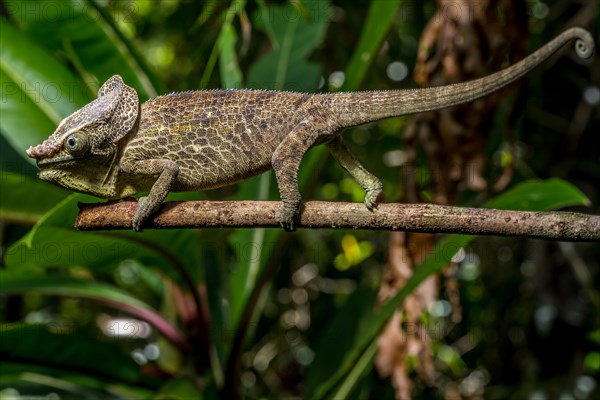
x: 87, y: 35
x: 533, y: 196
x: 63, y: 351
x: 538, y: 195
x: 36, y: 90
x: 13, y: 162
x: 54, y: 241
x: 379, y: 21
x: 49, y: 246
x: 25, y: 199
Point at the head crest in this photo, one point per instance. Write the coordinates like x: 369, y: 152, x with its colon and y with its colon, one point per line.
x: 117, y: 105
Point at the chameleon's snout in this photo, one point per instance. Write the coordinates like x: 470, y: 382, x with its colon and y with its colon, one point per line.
x: 45, y: 149
x: 32, y: 152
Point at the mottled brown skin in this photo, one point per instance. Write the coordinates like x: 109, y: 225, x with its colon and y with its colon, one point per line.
x: 113, y: 148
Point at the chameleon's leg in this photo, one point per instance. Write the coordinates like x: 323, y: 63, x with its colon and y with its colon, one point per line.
x: 148, y: 205
x: 370, y: 183
x: 286, y: 162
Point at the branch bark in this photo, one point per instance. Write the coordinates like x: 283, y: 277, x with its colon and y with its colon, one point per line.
x: 318, y: 214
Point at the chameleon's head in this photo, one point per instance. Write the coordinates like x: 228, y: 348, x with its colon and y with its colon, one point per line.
x: 80, y: 154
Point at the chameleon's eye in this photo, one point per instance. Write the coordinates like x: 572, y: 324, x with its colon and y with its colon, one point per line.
x: 77, y: 144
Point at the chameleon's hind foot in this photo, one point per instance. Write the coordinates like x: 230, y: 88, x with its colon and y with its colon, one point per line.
x: 373, y: 197
x: 288, y: 217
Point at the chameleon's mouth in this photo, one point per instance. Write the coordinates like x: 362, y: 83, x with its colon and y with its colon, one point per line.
x: 54, y: 160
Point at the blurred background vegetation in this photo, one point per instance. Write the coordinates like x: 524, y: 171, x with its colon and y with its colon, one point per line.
x: 258, y: 313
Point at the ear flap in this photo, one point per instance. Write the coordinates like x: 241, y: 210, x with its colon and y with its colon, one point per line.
x: 125, y: 107
x: 125, y: 114
x: 115, y: 82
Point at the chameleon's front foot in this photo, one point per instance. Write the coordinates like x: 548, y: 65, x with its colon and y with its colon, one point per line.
x: 141, y: 214
x: 288, y: 217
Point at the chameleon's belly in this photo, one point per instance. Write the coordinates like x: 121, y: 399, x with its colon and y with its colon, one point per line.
x: 208, y: 167
x: 203, y: 162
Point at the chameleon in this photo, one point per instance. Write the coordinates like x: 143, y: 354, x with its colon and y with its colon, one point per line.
x: 115, y: 147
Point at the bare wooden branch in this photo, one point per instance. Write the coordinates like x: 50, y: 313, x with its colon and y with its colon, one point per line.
x: 318, y: 214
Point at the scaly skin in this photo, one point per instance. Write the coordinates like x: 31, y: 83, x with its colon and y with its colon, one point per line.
x: 199, y: 140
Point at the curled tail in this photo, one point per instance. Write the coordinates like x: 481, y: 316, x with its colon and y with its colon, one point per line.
x: 362, y: 107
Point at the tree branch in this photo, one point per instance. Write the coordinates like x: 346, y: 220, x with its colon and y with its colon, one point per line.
x: 318, y: 214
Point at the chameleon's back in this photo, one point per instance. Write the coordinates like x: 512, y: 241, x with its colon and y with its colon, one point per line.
x: 216, y: 136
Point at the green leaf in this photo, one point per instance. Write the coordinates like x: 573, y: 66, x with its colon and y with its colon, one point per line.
x: 331, y: 347
x: 225, y: 47
x: 296, y: 32
x: 29, y: 378
x: 19, y: 283
x: 12, y: 161
x: 376, y: 321
x: 207, y: 13
x: 359, y: 370
x: 37, y: 91
x: 87, y: 35
x: 531, y: 196
x: 231, y: 75
x: 65, y: 351
x: 252, y: 248
x: 54, y: 241
x: 26, y: 200
x: 538, y: 195
x: 110, y: 296
x: 379, y: 21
